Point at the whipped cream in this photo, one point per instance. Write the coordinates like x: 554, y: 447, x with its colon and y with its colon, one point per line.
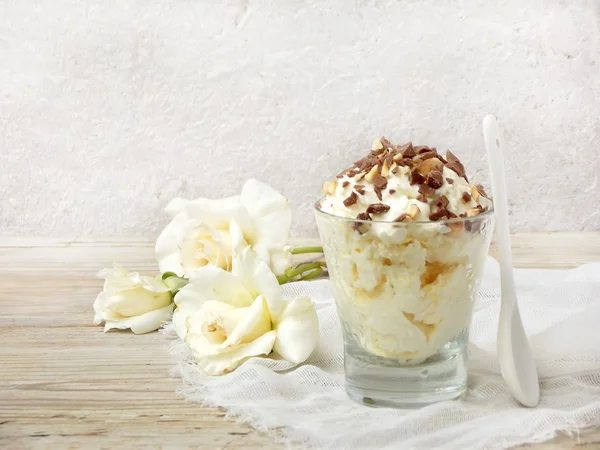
x: 405, y: 279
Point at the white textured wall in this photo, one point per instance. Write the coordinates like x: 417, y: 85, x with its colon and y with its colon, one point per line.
x: 109, y: 109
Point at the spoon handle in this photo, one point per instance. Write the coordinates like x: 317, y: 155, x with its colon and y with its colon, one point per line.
x: 491, y: 136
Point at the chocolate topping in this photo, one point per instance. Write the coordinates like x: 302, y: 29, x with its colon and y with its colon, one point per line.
x: 416, y: 177
x: 426, y: 190
x: 380, y: 182
x: 479, y: 188
x: 351, y: 200
x: 422, y: 198
x: 378, y: 193
x: 442, y: 202
x: 377, y: 208
x: 466, y: 197
x: 407, y: 150
x: 345, y: 183
x: 450, y: 180
x: 435, y: 179
x: 401, y: 218
x: 441, y: 213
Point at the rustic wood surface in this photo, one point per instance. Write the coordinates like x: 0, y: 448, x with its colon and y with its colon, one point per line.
x: 64, y: 384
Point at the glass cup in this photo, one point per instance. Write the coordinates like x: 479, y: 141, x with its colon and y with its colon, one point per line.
x: 404, y: 293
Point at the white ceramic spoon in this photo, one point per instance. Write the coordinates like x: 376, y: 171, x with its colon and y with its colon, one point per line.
x: 514, y: 353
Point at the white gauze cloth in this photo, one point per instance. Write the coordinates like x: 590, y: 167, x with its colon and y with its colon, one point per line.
x: 307, y: 406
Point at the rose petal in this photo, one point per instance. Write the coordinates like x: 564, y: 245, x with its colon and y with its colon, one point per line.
x: 297, y: 331
x: 252, y: 323
x: 144, y: 323
x: 213, y: 363
x: 166, y: 249
x: 212, y: 283
x: 270, y: 212
x: 257, y: 277
x: 280, y: 260
x: 135, y: 302
x: 201, y: 244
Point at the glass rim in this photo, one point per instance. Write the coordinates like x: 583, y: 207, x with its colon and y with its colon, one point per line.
x: 484, y: 215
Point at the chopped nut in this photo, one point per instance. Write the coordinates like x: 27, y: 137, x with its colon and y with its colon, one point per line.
x: 329, y: 187
x: 392, y: 191
x: 377, y: 208
x: 376, y: 145
x: 372, y: 174
x: 473, y: 212
x: 385, y: 170
x: 359, y: 176
x: 422, y: 198
x: 474, y: 193
x: 413, y: 211
x: 398, y: 156
x: 428, y: 165
x: 441, y: 213
x: 351, y: 200
x: 395, y: 170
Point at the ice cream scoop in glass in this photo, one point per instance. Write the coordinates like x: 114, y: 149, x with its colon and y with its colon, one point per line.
x: 405, y: 236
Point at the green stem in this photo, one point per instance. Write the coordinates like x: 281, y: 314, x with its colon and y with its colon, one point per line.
x: 292, y: 273
x: 302, y: 250
x: 312, y: 275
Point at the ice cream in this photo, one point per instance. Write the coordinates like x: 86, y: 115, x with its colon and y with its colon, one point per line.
x: 405, y: 266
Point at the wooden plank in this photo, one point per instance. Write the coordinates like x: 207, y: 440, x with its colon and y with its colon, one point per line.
x: 64, y: 384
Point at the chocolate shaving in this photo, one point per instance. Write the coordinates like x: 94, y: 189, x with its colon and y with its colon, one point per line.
x: 378, y: 193
x: 466, y: 197
x: 426, y: 190
x: 408, y: 151
x: 395, y: 170
x: 389, y: 160
x: 377, y: 208
x: 359, y: 226
x: 435, y: 179
x: 419, y: 149
x: 480, y: 189
x: 427, y: 155
x: 351, y: 200
x: 450, y: 180
x: 416, y: 177
x: 392, y: 191
x: 401, y: 218
x: 441, y: 213
x: 380, y: 182
x: 442, y: 202
x: 360, y: 188
x: 386, y: 143
x: 422, y: 198
x: 345, y: 183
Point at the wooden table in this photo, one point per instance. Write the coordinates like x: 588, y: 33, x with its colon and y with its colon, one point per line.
x: 64, y: 384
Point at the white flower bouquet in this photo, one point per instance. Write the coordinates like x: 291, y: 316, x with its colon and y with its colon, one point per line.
x: 222, y: 263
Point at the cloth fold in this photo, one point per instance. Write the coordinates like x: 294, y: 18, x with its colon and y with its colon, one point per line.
x: 307, y: 406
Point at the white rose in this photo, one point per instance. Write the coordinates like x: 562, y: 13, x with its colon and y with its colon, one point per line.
x: 130, y: 300
x: 226, y: 318
x: 199, y: 233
